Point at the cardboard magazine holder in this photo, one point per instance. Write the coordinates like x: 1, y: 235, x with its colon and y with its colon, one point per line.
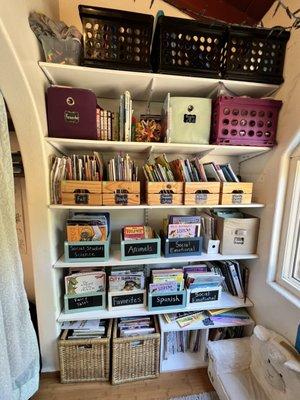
x: 238, y: 235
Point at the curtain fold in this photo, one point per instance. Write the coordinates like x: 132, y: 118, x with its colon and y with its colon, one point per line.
x: 19, y: 354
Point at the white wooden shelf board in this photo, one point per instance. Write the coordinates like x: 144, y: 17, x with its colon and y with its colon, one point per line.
x: 109, y: 83
x: 226, y: 301
x: 145, y: 207
x: 182, y: 361
x: 173, y: 326
x: 115, y: 259
x: 70, y: 145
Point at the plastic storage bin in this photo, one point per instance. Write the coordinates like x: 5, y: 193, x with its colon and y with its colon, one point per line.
x: 136, y: 357
x: 84, y: 360
x: 116, y: 39
x: 254, y: 54
x: 187, y: 47
x: 244, y: 121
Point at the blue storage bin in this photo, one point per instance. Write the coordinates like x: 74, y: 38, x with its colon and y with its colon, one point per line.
x: 84, y: 302
x: 166, y: 300
x: 87, y: 251
x: 141, y: 248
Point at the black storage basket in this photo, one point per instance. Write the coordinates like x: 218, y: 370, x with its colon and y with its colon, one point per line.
x: 187, y: 47
x: 255, y: 54
x: 116, y: 39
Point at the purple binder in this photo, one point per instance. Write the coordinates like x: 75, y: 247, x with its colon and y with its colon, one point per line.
x: 71, y: 113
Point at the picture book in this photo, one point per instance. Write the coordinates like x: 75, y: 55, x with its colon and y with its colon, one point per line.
x: 85, y: 283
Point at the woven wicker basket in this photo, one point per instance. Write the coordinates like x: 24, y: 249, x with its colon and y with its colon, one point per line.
x: 84, y: 360
x: 135, y: 358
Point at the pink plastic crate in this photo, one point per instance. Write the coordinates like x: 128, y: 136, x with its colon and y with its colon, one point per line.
x: 244, y: 121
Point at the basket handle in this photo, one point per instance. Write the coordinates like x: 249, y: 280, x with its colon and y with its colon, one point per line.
x: 136, y: 343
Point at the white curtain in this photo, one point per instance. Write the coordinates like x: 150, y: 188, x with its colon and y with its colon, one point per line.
x: 19, y: 356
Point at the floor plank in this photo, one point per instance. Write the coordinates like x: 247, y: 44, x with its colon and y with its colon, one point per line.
x: 165, y: 386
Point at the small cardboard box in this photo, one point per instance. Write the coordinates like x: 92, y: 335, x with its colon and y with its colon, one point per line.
x: 181, y: 247
x: 140, y: 249
x: 201, y: 193
x: 121, y: 193
x: 84, y: 302
x: 166, y: 300
x: 133, y: 299
x: 87, y: 251
x: 203, y: 296
x: 238, y: 235
x: 81, y: 193
x: 236, y: 193
x: 160, y: 193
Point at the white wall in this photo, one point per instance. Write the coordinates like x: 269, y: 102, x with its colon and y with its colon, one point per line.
x: 272, y: 309
x: 23, y: 86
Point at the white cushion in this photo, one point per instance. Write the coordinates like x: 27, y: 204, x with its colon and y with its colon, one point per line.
x: 242, y: 386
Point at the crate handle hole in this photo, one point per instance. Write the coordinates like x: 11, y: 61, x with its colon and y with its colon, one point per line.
x: 238, y: 191
x: 202, y: 191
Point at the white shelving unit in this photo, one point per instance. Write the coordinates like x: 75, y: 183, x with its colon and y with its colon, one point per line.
x: 146, y: 207
x: 226, y: 301
x: 147, y: 88
x: 115, y: 259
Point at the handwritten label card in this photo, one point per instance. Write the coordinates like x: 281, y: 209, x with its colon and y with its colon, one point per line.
x: 127, y: 299
x: 184, y: 246
x: 140, y: 249
x: 166, y: 300
x: 86, y: 251
x: 85, y: 302
x: 200, y: 297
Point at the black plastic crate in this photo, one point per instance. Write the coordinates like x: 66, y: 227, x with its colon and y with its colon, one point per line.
x: 255, y: 54
x: 116, y: 39
x: 187, y: 47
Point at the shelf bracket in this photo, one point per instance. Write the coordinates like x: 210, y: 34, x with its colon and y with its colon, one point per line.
x: 149, y: 151
x: 151, y: 90
x: 203, y: 153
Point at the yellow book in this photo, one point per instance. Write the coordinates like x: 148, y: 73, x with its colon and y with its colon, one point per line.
x: 219, y: 311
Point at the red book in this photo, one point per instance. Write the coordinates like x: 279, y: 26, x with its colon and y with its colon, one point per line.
x: 133, y: 232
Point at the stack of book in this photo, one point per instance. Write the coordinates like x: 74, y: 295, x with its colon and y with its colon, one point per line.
x: 84, y: 281
x: 122, y: 168
x: 125, y: 117
x: 208, y: 224
x: 230, y: 332
x: 135, y: 326
x: 126, y: 280
x: 198, y: 276
x: 166, y: 280
x: 92, y: 329
x: 181, y: 342
x: 182, y: 226
x: 88, y: 227
x: 105, y: 124
x: 136, y: 232
x: 75, y: 167
x: 160, y: 171
x: 238, y: 316
x: 194, y: 171
x: 235, y: 275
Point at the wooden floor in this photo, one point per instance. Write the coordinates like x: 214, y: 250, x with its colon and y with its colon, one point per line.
x: 163, y: 388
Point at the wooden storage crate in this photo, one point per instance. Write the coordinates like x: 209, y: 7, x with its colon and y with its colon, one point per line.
x: 81, y: 193
x: 167, y: 300
x: 236, y: 193
x: 121, y: 193
x: 84, y: 302
x: 164, y: 193
x: 140, y: 248
x: 136, y: 357
x: 87, y: 251
x: 201, y: 193
x: 84, y: 360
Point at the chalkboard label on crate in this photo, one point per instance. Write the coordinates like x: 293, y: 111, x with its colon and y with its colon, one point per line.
x: 184, y: 246
x: 121, y: 198
x: 237, y: 198
x: 127, y: 299
x: 167, y: 300
x: 166, y: 198
x: 199, y: 297
x: 201, y: 198
x: 140, y: 249
x: 86, y: 251
x: 85, y: 302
